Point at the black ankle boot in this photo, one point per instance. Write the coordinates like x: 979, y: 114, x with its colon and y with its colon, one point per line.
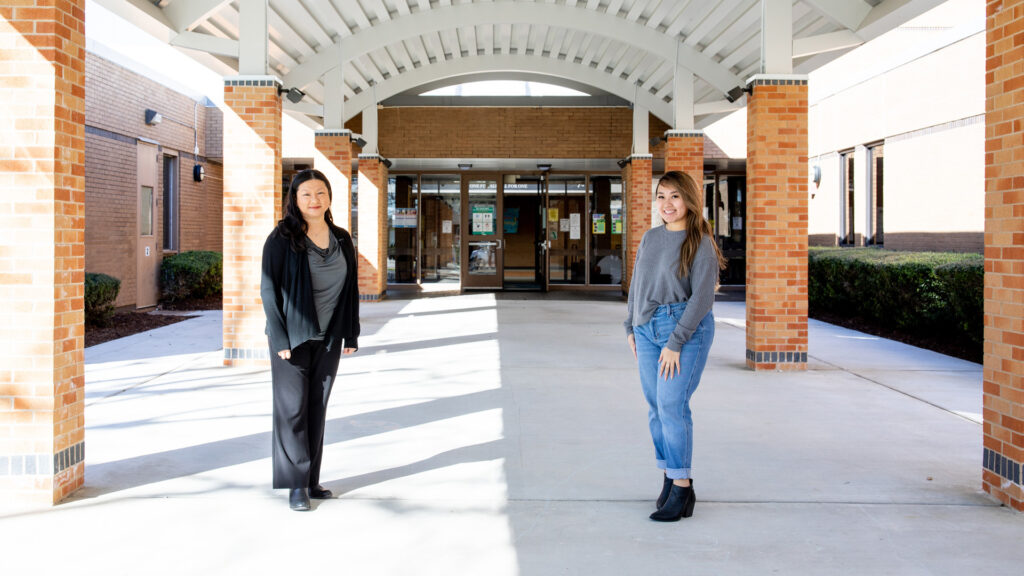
x: 666, y: 487
x: 679, y: 504
x: 298, y: 499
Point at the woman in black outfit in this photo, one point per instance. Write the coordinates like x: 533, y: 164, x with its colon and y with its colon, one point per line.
x: 311, y: 299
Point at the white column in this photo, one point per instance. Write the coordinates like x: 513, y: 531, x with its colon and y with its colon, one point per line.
x: 370, y: 129
x: 253, y: 42
x: 776, y: 36
x: 334, y: 99
x: 641, y: 130
x: 862, y: 192
x: 682, y: 99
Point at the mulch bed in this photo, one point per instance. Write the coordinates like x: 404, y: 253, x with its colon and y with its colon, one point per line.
x: 940, y: 343
x: 123, y: 324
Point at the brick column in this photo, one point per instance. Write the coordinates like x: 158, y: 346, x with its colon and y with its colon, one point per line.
x: 372, y: 243
x: 777, y: 223
x: 637, y: 176
x: 1004, y: 257
x: 252, y: 207
x: 42, y: 250
x: 684, y: 151
x: 336, y: 164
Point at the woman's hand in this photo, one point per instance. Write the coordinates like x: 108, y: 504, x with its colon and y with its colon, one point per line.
x: 632, y: 344
x: 668, y: 363
x: 348, y: 351
x: 285, y: 354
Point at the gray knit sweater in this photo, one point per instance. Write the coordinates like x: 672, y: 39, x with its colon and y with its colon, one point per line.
x: 656, y: 282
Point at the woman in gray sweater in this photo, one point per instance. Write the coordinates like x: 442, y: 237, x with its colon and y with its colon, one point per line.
x: 669, y: 327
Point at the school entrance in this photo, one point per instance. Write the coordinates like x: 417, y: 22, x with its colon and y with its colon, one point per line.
x: 533, y: 231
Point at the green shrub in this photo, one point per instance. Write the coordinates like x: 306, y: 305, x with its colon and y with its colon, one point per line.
x: 916, y: 292
x: 193, y: 274
x: 100, y: 293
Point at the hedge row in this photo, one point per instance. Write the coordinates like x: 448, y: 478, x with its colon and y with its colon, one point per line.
x: 193, y: 274
x: 918, y: 292
x: 100, y: 293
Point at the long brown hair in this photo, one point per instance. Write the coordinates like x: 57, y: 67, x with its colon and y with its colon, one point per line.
x: 696, y: 225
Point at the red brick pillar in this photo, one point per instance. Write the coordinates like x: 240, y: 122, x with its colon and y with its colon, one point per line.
x: 336, y: 147
x: 777, y: 223
x: 1004, y: 256
x: 684, y: 151
x: 42, y: 250
x: 372, y: 243
x: 252, y: 207
x: 637, y: 176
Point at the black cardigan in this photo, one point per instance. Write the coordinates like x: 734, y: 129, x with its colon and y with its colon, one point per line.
x: 287, y: 293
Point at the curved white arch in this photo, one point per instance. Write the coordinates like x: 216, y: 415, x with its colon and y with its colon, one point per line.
x: 582, y: 19
x: 508, y: 63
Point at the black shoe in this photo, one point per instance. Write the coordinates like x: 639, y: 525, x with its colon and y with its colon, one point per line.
x: 298, y: 499
x: 679, y: 504
x: 666, y: 487
x: 318, y: 492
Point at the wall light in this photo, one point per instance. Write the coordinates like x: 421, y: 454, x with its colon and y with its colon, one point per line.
x: 465, y: 166
x: 544, y: 167
x: 360, y: 141
x: 387, y: 163
x: 153, y: 117
x: 294, y: 95
x: 622, y: 163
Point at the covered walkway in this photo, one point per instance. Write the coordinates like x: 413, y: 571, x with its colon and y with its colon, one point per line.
x: 486, y: 434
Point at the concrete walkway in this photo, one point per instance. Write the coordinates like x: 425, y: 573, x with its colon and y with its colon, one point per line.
x: 493, y: 435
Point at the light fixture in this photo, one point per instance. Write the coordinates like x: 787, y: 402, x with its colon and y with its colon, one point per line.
x: 622, y: 163
x: 360, y: 141
x: 294, y: 95
x: 817, y: 175
x: 198, y: 172
x: 657, y: 140
x: 153, y: 117
x: 544, y: 167
x: 736, y: 93
x: 387, y: 163
x: 465, y: 166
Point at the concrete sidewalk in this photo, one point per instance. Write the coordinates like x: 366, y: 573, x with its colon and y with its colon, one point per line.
x: 493, y: 435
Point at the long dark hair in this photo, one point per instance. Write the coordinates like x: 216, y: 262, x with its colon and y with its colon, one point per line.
x: 293, y: 226
x: 696, y: 225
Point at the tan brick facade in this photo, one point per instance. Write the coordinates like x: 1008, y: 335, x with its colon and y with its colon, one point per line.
x: 252, y: 177
x: 42, y: 250
x: 684, y: 151
x: 1004, y: 255
x: 115, y: 104
x: 636, y: 181
x: 336, y: 147
x: 777, y: 225
x: 428, y: 132
x: 372, y: 243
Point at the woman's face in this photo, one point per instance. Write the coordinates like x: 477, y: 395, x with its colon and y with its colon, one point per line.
x: 313, y: 200
x: 671, y: 207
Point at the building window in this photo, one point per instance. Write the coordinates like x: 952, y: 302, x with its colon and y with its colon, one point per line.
x: 876, y: 157
x: 847, y: 234
x: 170, y: 203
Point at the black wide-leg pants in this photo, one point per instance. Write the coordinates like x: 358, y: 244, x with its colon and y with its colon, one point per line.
x: 302, y: 386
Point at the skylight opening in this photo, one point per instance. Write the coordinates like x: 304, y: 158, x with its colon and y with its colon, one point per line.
x: 504, y: 88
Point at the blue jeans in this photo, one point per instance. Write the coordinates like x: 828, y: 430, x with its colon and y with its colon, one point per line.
x: 669, y: 400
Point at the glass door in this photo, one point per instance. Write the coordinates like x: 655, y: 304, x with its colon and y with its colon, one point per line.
x: 522, y: 229
x: 567, y: 229
x: 483, y: 256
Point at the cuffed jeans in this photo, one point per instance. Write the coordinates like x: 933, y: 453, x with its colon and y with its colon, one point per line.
x: 302, y: 386
x: 669, y: 400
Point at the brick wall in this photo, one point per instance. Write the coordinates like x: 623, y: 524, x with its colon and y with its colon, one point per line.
x: 373, y: 227
x: 439, y: 132
x: 336, y: 147
x: 42, y: 148
x: 684, y: 151
x: 777, y: 225
x: 1003, y: 452
x: 115, y: 104
x: 252, y: 179
x: 636, y: 181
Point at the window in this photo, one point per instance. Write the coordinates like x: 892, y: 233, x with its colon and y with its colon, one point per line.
x: 170, y: 202
x: 847, y: 234
x: 876, y: 156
